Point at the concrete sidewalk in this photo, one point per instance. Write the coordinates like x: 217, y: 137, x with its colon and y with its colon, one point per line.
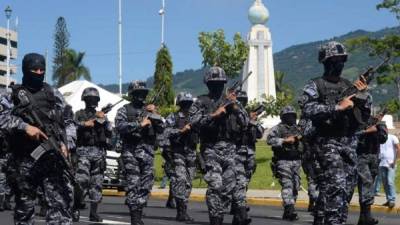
x: 271, y: 198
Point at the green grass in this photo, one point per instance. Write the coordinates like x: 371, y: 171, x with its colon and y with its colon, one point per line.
x: 262, y: 178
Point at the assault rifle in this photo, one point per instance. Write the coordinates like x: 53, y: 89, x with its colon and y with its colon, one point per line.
x: 52, y: 144
x: 376, y: 121
x: 367, y: 76
x: 156, y: 96
x: 201, y: 164
x: 106, y: 109
x: 236, y: 87
x: 152, y: 116
x: 260, y: 109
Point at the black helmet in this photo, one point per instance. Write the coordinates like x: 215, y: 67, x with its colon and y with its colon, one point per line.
x: 215, y: 74
x: 90, y: 92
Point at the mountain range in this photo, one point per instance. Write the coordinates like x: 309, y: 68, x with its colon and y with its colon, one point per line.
x: 299, y: 63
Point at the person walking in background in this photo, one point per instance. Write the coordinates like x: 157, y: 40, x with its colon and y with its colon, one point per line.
x: 389, y: 153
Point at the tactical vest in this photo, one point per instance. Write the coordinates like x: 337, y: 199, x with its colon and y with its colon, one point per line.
x: 43, y: 104
x: 90, y: 136
x: 287, y: 151
x: 146, y: 135
x: 224, y: 128
x: 189, y: 139
x: 342, y: 124
x: 249, y: 137
x: 370, y: 143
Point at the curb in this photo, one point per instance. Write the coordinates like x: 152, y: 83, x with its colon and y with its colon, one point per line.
x: 258, y: 201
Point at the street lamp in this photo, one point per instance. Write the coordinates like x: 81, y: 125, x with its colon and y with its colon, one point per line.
x: 8, y: 12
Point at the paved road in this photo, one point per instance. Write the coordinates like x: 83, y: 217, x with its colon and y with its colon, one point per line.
x: 115, y: 212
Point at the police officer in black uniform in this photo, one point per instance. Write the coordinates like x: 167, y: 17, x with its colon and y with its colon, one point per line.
x: 93, y: 133
x: 33, y: 116
x: 219, y: 122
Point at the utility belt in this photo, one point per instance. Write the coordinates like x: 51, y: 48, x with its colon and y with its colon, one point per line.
x: 135, y: 140
x: 283, y: 154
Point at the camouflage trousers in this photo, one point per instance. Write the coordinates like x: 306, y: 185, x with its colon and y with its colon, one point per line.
x: 244, y: 168
x: 351, y: 183
x: 138, y: 162
x: 288, y: 173
x: 90, y: 177
x: 57, y: 190
x: 337, y: 158
x: 220, y: 176
x: 184, y: 173
x: 4, y: 186
x: 368, y: 166
x: 309, y: 168
x: 168, y: 166
x: 250, y: 164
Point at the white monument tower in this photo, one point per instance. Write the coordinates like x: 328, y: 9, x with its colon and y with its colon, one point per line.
x: 259, y: 61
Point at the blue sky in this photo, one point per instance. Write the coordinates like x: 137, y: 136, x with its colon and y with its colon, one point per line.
x: 93, y: 28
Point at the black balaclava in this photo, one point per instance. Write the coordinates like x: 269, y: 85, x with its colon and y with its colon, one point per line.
x: 91, y: 102
x: 31, y: 80
x: 138, y: 98
x: 215, y: 88
x: 289, y: 119
x: 184, y: 106
x: 333, y: 68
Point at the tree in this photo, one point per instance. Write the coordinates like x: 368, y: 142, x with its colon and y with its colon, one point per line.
x: 280, y: 86
x: 388, y: 46
x: 163, y: 79
x: 392, y: 5
x: 272, y: 106
x: 218, y: 52
x: 61, y: 44
x: 72, y: 68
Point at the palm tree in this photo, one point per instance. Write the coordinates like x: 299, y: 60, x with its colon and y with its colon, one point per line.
x: 72, y: 69
x: 280, y: 86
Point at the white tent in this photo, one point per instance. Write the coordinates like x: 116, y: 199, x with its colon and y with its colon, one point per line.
x: 72, y: 93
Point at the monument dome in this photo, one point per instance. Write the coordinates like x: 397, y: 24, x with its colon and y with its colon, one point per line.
x: 258, y: 13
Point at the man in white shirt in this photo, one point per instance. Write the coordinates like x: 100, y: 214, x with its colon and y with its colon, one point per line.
x: 389, y: 153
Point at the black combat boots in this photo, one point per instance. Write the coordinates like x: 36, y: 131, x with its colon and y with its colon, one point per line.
x: 2, y: 199
x: 75, y: 211
x: 76, y: 214
x: 216, y: 220
x: 182, y: 215
x: 43, y: 210
x: 318, y: 220
x: 311, y: 205
x: 93, y: 213
x: 290, y: 213
x: 7, y: 203
x: 136, y: 217
x: 365, y: 216
x: 170, y: 202
x: 241, y: 217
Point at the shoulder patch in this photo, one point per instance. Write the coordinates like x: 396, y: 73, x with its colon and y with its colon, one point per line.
x: 311, y: 89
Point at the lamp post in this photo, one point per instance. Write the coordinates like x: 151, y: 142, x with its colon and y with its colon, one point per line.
x: 162, y: 14
x: 120, y: 46
x: 8, y: 12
